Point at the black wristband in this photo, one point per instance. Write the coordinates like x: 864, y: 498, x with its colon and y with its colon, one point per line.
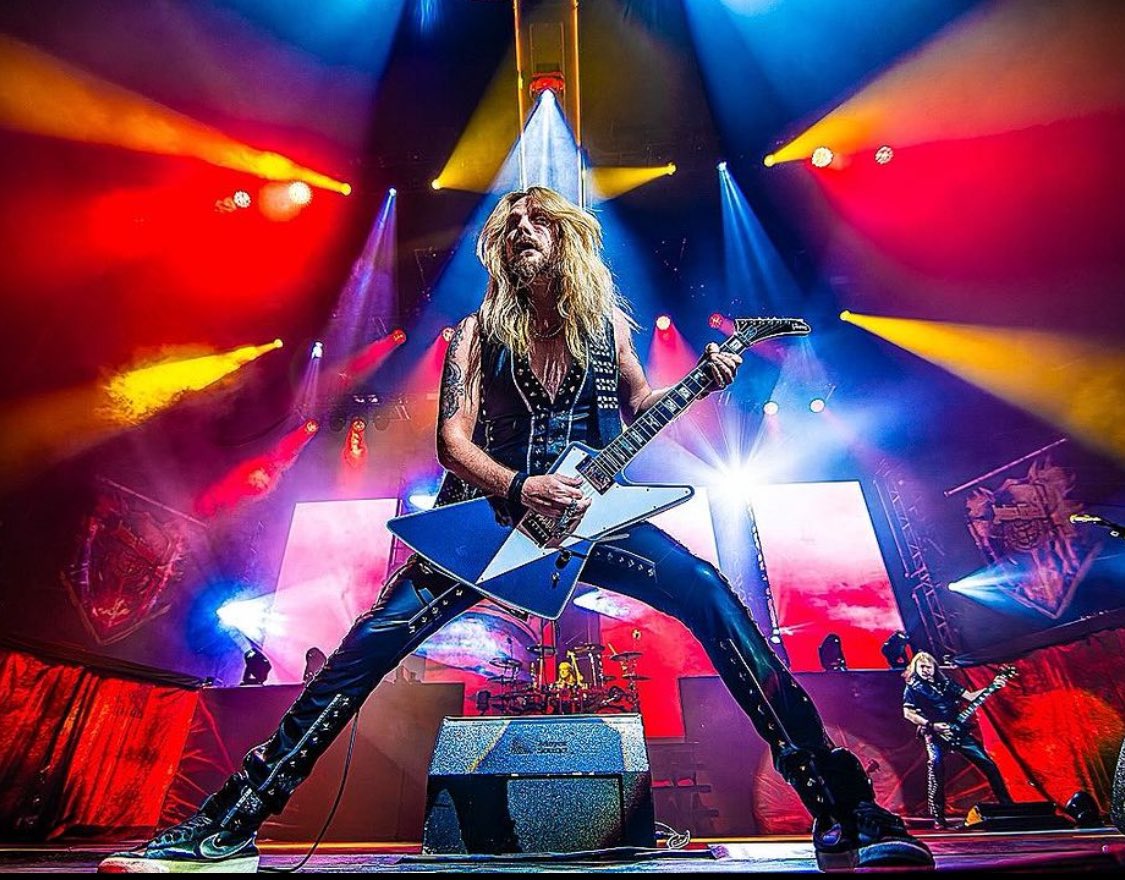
x: 515, y: 488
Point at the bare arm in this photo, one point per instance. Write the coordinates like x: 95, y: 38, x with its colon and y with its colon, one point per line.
x: 635, y: 394
x: 457, y: 415
x: 458, y: 407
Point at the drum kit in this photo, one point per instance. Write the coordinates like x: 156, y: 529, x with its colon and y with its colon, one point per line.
x: 579, y: 685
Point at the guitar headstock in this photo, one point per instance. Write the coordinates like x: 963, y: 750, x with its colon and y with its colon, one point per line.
x: 749, y: 331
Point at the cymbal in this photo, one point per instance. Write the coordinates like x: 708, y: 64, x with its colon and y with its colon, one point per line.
x: 505, y: 663
x: 635, y: 677
x: 588, y: 648
x: 626, y: 655
x: 544, y: 650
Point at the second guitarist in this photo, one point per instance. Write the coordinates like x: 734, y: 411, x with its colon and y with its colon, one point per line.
x: 933, y: 702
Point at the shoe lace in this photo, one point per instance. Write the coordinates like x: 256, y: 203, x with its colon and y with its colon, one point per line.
x: 875, y: 822
x: 185, y: 832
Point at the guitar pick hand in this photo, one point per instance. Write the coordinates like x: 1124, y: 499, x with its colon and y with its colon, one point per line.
x: 552, y: 495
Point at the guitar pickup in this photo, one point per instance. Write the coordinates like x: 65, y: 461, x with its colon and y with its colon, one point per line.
x: 595, y: 476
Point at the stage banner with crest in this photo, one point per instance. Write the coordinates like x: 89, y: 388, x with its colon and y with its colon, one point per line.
x: 1020, y: 518
x: 130, y: 551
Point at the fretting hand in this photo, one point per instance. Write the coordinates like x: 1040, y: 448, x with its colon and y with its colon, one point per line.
x: 722, y: 365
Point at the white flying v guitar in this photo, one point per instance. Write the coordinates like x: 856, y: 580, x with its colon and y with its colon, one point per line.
x: 536, y: 564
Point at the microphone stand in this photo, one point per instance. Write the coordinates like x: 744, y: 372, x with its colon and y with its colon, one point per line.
x: 1115, y: 530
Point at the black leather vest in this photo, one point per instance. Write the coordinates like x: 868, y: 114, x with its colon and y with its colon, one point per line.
x: 522, y: 428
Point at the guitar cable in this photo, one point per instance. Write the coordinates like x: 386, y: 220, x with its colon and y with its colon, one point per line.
x: 675, y: 839
x: 292, y: 869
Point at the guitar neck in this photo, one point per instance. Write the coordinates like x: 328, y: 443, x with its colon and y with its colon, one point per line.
x: 675, y: 401
x: 979, y: 701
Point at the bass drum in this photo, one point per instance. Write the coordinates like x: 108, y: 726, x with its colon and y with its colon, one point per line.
x: 484, y: 648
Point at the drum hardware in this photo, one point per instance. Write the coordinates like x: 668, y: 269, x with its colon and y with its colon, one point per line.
x: 580, y: 686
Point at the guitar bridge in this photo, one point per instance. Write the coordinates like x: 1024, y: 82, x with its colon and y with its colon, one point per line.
x: 545, y: 531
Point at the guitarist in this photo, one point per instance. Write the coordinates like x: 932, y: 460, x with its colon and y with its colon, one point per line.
x: 932, y: 702
x: 547, y: 360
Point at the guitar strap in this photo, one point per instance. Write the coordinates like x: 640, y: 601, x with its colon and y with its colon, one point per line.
x: 603, y: 363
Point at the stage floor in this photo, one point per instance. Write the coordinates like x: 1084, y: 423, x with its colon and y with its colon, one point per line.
x: 1070, y: 851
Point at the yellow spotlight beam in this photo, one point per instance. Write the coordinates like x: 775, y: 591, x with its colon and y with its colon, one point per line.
x: 611, y: 181
x: 135, y: 395
x: 485, y: 143
x: 43, y: 95
x: 1005, y: 67
x: 1070, y: 382
x: 36, y: 432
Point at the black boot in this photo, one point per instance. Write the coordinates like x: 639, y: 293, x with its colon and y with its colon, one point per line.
x: 850, y: 830
x: 219, y: 838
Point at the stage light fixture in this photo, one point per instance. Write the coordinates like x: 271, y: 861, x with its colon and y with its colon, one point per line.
x: 771, y: 408
x: 845, y: 315
x: 447, y: 334
x: 392, y: 192
x: 398, y: 336
x: 894, y: 650
x: 317, y: 350
x: 257, y: 668
x: 716, y: 320
x: 816, y: 405
x: 547, y: 86
x: 435, y: 184
x: 884, y: 154
x: 663, y: 323
x: 822, y: 157
x: 346, y: 189
x: 670, y: 169
x: 831, y: 652
x: 242, y: 199
x: 722, y: 167
x: 770, y: 160
x: 312, y: 426
x: 1083, y: 809
x: 314, y: 662
x: 300, y: 193
x: 277, y: 343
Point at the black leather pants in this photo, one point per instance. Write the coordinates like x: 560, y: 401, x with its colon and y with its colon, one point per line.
x: 645, y: 564
x: 937, y: 750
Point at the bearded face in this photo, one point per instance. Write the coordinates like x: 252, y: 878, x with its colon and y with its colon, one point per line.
x: 530, y: 245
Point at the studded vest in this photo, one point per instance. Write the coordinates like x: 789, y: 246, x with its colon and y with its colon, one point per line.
x: 522, y: 428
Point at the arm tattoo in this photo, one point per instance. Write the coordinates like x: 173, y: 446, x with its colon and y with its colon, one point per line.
x: 452, y: 387
x: 455, y: 339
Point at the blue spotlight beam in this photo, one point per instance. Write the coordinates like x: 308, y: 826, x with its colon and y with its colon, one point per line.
x: 369, y: 294
x: 755, y: 272
x: 544, y: 155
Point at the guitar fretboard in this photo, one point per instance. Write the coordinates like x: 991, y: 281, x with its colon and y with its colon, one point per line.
x: 968, y: 711
x: 616, y: 456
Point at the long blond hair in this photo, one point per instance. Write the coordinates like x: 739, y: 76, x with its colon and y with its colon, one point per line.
x: 912, y: 667
x: 586, y: 292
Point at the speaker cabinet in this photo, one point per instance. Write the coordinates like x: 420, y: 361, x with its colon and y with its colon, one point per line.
x: 556, y: 784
